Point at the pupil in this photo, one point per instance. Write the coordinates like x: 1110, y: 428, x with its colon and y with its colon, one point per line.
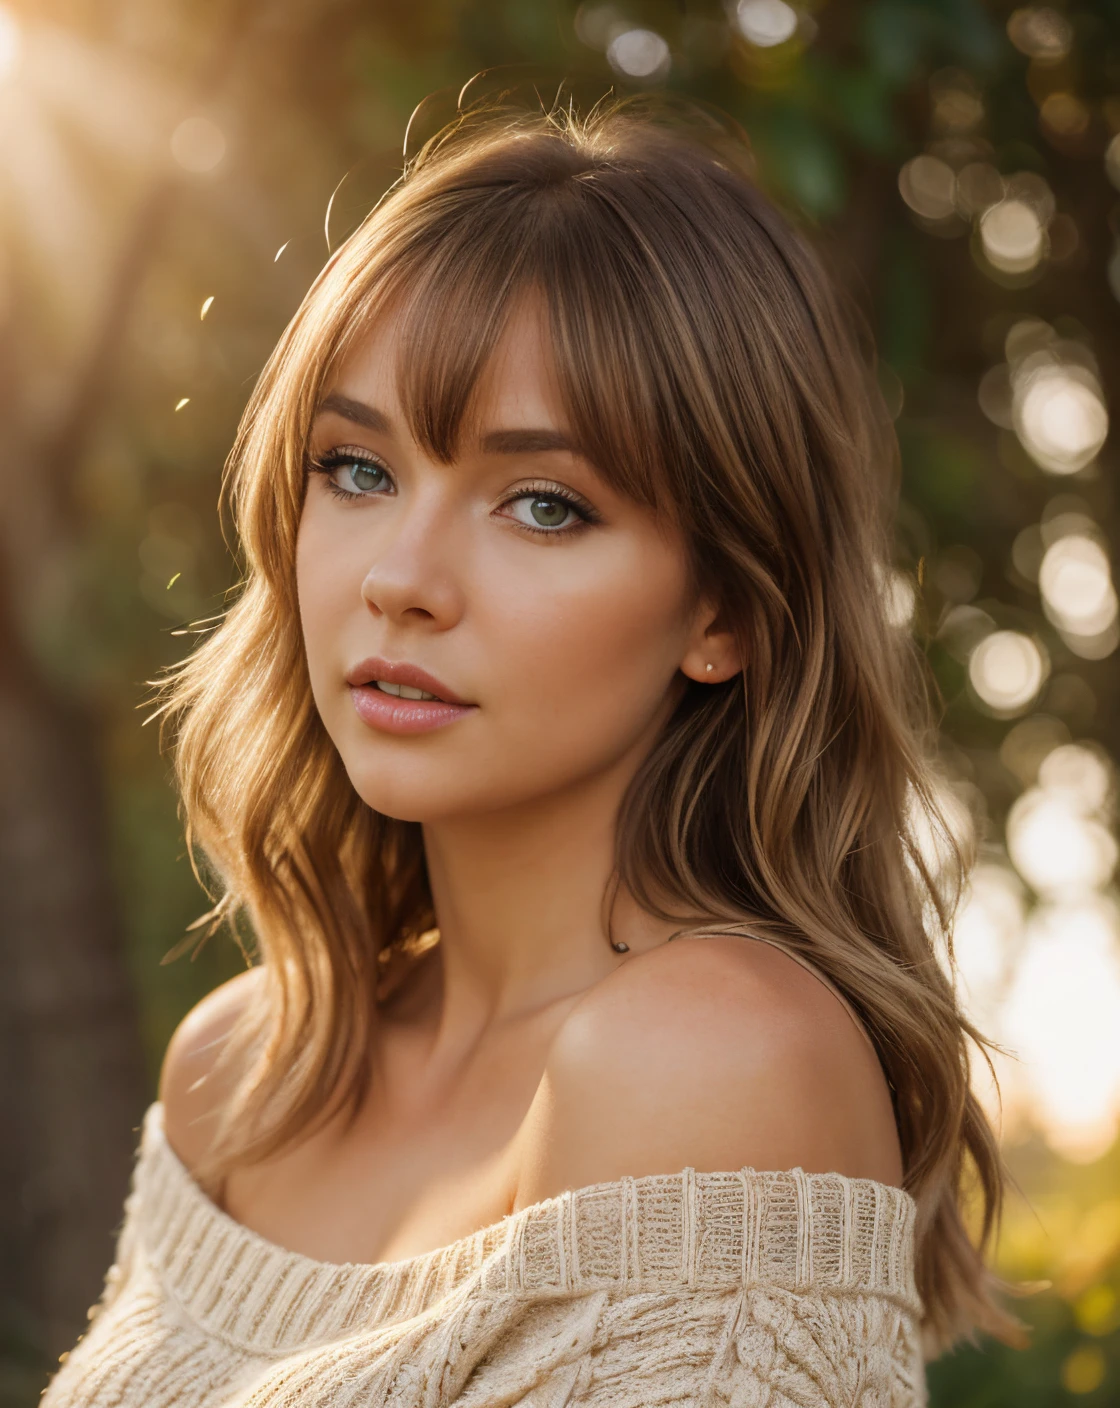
x: 372, y: 476
x: 549, y: 513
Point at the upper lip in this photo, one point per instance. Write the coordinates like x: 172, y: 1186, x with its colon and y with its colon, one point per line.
x: 374, y: 668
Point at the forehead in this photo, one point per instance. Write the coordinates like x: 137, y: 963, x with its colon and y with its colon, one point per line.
x: 516, y: 384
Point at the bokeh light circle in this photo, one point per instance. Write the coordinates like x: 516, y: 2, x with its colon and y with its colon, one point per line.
x: 1076, y: 585
x: 766, y: 23
x: 639, y: 53
x: 198, y: 144
x: 1012, y: 236
x: 1055, y: 846
x: 929, y: 187
x: 1060, y: 417
x: 1040, y: 32
x: 1006, y: 669
x: 1081, y: 772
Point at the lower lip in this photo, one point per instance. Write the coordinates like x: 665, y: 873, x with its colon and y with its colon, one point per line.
x: 391, y: 714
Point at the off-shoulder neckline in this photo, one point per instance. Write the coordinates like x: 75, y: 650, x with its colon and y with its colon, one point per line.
x: 689, y: 1229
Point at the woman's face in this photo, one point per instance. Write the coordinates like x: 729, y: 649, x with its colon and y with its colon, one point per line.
x: 555, y: 612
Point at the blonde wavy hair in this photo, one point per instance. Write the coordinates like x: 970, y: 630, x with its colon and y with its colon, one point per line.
x: 712, y: 370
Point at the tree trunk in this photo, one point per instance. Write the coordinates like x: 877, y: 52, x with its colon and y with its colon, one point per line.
x: 72, y: 1086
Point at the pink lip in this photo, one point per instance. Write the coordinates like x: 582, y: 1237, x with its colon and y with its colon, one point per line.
x: 375, y: 668
x: 391, y: 714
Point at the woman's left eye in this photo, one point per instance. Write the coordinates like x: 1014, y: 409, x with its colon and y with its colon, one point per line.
x: 545, y: 513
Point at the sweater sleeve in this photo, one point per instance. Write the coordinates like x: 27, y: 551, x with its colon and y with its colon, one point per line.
x: 756, y: 1347
x: 753, y: 1346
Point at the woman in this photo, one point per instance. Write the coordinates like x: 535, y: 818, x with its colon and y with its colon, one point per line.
x: 560, y: 751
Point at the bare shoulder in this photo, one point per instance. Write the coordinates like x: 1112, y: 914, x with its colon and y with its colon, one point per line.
x: 191, y: 1087
x: 713, y: 1053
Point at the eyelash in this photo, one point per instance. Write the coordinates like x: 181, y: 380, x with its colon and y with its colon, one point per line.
x: 333, y: 460
x: 585, y: 514
x: 328, y: 463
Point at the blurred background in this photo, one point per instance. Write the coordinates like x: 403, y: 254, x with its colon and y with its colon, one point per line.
x: 170, y: 175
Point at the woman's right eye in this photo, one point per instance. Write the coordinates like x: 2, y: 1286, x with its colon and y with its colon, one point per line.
x: 364, y: 476
x: 351, y: 476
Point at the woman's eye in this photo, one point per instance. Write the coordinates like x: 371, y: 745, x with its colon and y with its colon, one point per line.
x: 360, y: 476
x: 544, y: 511
x: 349, y: 476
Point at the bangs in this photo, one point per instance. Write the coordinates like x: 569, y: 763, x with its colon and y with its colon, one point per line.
x: 459, y: 269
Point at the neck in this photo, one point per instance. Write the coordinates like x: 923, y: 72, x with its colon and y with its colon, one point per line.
x: 520, y: 902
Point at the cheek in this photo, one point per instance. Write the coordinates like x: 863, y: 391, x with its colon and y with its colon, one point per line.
x: 323, y: 589
x: 590, y: 651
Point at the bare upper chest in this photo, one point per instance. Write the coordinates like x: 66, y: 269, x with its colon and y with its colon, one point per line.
x: 413, y: 1172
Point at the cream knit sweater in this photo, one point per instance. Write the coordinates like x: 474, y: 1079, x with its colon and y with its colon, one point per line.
x: 741, y: 1288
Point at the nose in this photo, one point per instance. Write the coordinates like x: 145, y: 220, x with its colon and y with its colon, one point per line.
x: 412, y: 576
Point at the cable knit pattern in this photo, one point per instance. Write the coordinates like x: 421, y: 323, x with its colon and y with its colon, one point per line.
x: 744, y: 1289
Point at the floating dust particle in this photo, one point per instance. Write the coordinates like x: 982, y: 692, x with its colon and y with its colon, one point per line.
x: 186, y: 400
x: 174, y: 580
x: 205, y: 308
x: 280, y: 251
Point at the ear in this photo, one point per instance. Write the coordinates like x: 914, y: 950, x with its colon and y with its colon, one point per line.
x: 712, y: 654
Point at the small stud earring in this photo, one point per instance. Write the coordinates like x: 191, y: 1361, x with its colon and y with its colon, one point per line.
x: 619, y: 946
x: 709, y: 667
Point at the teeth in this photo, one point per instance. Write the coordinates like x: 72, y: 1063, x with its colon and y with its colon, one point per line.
x: 402, y: 691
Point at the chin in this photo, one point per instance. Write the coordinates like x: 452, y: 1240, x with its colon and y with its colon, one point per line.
x: 416, y: 794
x: 435, y: 791
x: 403, y: 801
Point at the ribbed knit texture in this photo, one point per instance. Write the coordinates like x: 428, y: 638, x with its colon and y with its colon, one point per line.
x: 739, y: 1288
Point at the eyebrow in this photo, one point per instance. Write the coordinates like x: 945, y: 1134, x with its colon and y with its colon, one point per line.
x: 357, y: 411
x: 526, y: 441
